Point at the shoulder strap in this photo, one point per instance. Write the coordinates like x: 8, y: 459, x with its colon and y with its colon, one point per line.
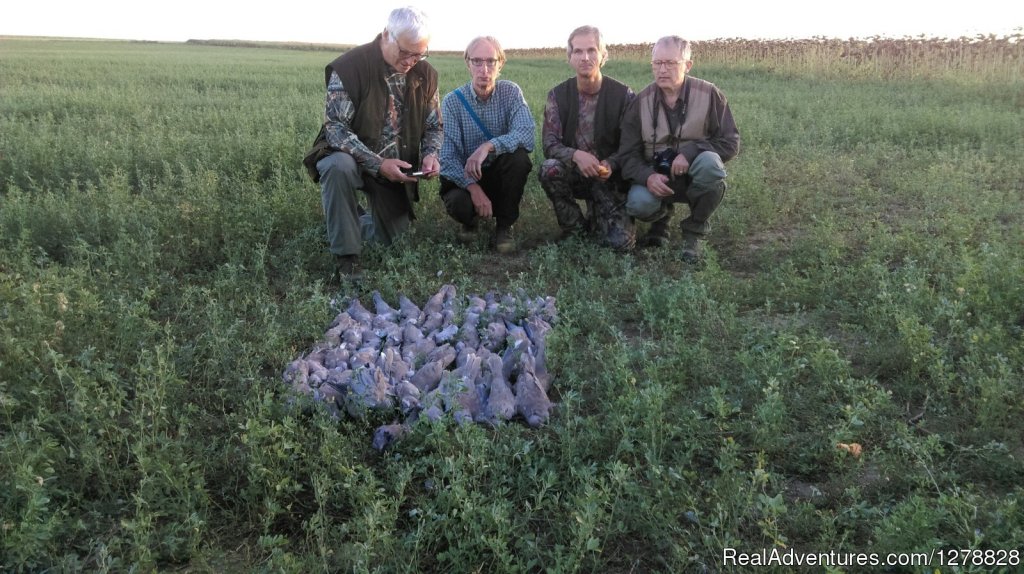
x: 473, y: 115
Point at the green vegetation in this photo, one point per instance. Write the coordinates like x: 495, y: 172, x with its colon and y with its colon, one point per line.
x: 162, y: 259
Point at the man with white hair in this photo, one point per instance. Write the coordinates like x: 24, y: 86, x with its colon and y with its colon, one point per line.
x: 676, y: 137
x: 381, y: 123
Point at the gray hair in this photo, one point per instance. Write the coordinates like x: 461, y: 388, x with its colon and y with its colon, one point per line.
x: 407, y: 22
x: 490, y: 40
x: 681, y: 46
x: 586, y: 31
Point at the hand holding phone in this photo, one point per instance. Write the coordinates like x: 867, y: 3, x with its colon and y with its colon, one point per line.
x: 418, y: 173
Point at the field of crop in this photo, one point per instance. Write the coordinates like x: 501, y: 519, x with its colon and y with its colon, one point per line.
x: 162, y: 259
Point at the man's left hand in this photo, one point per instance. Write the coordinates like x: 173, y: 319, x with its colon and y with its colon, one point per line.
x: 475, y: 164
x: 430, y: 166
x: 680, y: 166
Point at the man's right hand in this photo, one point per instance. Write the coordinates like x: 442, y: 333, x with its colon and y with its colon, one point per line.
x: 391, y: 170
x: 588, y: 165
x: 480, y: 201
x: 657, y: 184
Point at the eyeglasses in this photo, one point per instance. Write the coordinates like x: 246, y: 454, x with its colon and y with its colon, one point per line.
x: 481, y: 62
x: 405, y: 55
x: 670, y: 64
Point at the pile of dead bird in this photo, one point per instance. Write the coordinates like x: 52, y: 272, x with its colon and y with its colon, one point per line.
x: 475, y: 359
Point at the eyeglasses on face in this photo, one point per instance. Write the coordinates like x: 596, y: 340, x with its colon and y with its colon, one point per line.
x: 405, y: 55
x: 481, y: 62
x: 670, y: 64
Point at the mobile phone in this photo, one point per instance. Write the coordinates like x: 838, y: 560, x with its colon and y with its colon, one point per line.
x: 415, y: 173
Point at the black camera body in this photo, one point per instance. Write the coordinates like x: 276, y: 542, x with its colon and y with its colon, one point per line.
x: 663, y: 161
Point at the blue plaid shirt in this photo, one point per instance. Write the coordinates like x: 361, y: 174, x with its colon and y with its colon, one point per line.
x: 506, y: 115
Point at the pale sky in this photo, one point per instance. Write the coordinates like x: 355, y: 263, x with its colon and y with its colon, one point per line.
x: 516, y: 23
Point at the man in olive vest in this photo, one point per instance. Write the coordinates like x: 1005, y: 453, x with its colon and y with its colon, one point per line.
x: 580, y: 137
x: 382, y: 122
x: 676, y: 137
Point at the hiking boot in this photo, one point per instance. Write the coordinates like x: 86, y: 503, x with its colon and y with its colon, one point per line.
x: 657, y: 235
x: 691, y: 249
x: 503, y: 241
x: 467, y: 233
x: 346, y: 268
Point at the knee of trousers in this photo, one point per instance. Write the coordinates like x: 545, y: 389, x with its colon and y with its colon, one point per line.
x: 707, y: 170
x: 554, y: 180
x: 338, y: 172
x: 640, y: 203
x: 517, y: 162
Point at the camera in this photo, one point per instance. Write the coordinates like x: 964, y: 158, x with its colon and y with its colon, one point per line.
x: 663, y: 161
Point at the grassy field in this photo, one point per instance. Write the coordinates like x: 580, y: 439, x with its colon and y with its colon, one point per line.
x: 162, y: 259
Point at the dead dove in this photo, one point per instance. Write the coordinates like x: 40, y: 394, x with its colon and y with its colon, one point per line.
x: 428, y: 376
x: 494, y: 335
x: 353, y: 338
x: 440, y: 300
x: 359, y: 313
x: 386, y: 435
x: 532, y: 402
x: 416, y: 351
x: 385, y: 311
x: 432, y: 322
x: 446, y: 334
x: 369, y: 389
x: 336, y: 357
x: 362, y: 358
x: 467, y: 396
x: 445, y: 353
x: 501, y: 403
x: 409, y: 311
x: 470, y: 329
x: 408, y: 397
x: 342, y: 321
x: 537, y: 329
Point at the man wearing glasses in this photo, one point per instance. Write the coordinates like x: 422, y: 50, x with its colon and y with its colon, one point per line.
x: 488, y: 137
x: 381, y: 124
x: 580, y: 137
x: 676, y: 137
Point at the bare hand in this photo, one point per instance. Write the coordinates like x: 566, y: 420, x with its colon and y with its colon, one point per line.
x: 430, y: 166
x: 586, y: 163
x: 657, y: 184
x: 475, y: 163
x: 481, y: 203
x: 680, y: 166
x: 391, y: 170
x: 604, y: 171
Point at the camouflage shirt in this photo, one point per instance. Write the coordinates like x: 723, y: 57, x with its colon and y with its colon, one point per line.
x: 552, y: 130
x: 340, y: 110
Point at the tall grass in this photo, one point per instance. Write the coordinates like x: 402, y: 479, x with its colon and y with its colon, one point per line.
x: 162, y: 259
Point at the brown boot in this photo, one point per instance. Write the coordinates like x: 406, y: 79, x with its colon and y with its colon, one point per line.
x: 657, y: 234
x: 691, y: 249
x: 503, y: 241
x: 467, y: 233
x: 346, y: 268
